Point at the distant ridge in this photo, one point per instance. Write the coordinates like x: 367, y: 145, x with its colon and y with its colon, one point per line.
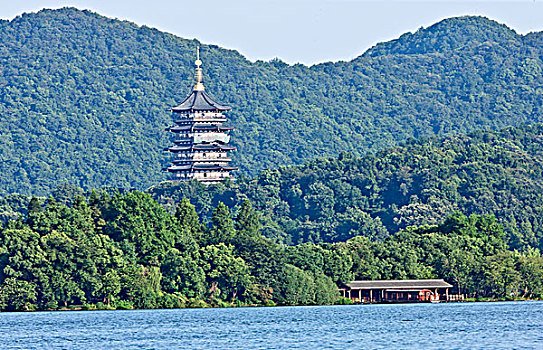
x: 450, y: 34
x: 84, y: 98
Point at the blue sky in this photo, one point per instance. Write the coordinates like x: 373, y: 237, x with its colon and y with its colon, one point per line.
x: 305, y: 31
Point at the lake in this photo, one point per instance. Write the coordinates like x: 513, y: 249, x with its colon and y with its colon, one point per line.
x: 499, y: 325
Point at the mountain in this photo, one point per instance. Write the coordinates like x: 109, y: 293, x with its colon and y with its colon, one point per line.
x: 418, y: 183
x: 448, y: 36
x: 84, y: 98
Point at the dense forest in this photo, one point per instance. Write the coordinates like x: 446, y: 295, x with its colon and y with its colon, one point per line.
x: 84, y: 98
x: 420, y: 182
x: 127, y: 251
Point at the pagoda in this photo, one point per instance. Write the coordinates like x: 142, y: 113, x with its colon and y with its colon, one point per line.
x: 200, y: 149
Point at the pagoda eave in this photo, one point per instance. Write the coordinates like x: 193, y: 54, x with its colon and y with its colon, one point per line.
x: 216, y: 160
x: 191, y: 168
x: 200, y: 149
x: 199, y: 101
x: 191, y: 120
x: 178, y: 129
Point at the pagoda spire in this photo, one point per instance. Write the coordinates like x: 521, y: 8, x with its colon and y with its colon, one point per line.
x: 199, y: 86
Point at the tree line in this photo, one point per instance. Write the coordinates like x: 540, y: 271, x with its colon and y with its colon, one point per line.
x: 125, y: 250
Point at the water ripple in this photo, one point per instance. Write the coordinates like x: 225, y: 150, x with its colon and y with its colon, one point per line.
x: 430, y: 326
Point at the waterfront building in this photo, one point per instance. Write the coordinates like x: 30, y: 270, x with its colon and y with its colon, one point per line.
x: 200, y: 149
x: 382, y: 291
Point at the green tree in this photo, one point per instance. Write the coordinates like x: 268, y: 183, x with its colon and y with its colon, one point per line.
x: 188, y: 219
x: 222, y: 226
x: 247, y: 224
x: 326, y: 291
x: 530, y: 267
x: 227, y: 276
x: 135, y: 219
x: 297, y: 286
x: 184, y: 274
x: 17, y: 295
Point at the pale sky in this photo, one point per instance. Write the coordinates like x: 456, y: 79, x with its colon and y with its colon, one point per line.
x: 304, y: 31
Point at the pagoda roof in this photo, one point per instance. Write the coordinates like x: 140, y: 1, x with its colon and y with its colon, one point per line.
x: 200, y: 147
x: 195, y: 167
x: 198, y: 160
x: 178, y: 128
x: 199, y: 101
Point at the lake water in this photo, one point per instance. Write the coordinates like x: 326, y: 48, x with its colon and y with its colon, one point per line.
x: 506, y: 325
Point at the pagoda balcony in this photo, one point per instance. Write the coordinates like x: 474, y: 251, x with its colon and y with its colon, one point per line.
x: 209, y: 178
x: 200, y: 160
x: 200, y: 168
x: 200, y: 114
x: 192, y: 122
x: 203, y: 137
x: 199, y: 128
x: 200, y: 119
x: 200, y: 148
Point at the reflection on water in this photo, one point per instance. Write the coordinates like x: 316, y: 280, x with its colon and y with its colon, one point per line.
x: 430, y: 326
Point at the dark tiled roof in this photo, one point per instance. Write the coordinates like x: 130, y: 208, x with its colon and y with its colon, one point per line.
x: 189, y: 119
x: 213, y: 167
x: 399, y: 284
x: 178, y: 128
x: 192, y: 167
x: 206, y: 160
x: 199, y: 101
x: 200, y: 147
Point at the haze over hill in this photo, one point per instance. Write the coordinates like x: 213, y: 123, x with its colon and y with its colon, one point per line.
x: 84, y: 98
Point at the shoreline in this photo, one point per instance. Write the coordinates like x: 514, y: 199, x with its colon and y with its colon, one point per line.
x: 82, y: 308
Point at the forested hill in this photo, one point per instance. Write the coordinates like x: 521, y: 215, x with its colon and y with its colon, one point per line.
x: 418, y: 183
x: 84, y: 98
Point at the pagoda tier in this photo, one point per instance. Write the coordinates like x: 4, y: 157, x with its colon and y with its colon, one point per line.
x: 200, y: 118
x: 199, y: 127
x: 202, y: 167
x: 223, y: 161
x: 200, y: 148
x: 200, y: 140
x: 201, y: 172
